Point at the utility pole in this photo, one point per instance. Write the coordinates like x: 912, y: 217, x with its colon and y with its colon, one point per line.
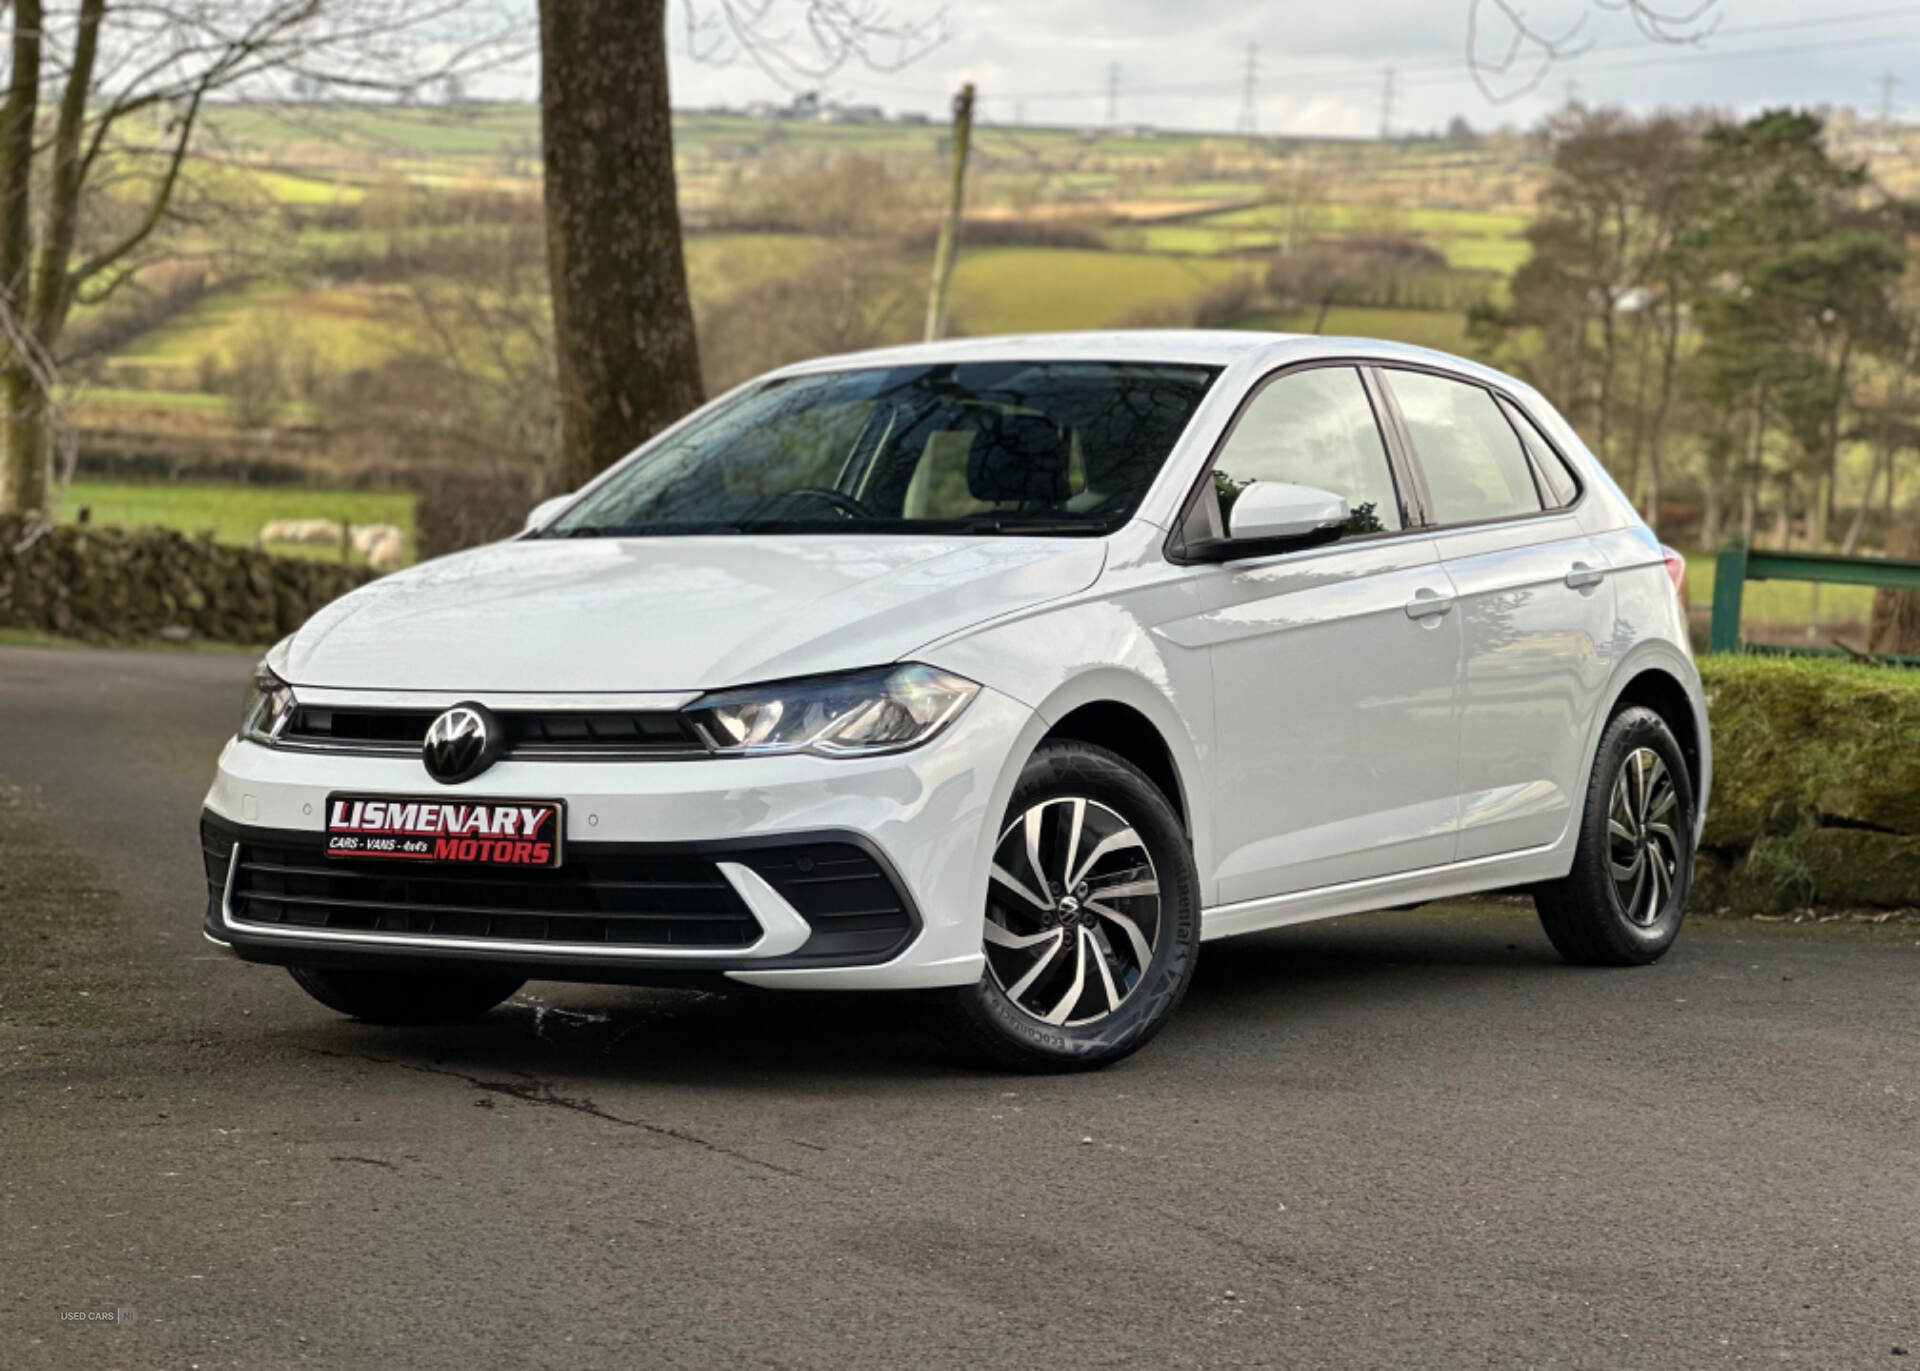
x: 1887, y: 82
x: 1386, y: 105
x: 1249, y: 93
x: 1113, y: 94
x: 1293, y: 206
x: 950, y: 229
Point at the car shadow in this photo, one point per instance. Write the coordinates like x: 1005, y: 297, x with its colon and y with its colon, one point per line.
x: 797, y: 1040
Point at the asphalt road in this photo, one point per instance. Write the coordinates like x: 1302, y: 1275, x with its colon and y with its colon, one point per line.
x: 1402, y: 1140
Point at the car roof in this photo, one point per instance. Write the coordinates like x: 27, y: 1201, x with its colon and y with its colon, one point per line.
x: 1203, y: 347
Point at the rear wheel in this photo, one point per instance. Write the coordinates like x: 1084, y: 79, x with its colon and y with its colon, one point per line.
x: 1092, y: 921
x: 1624, y: 899
x: 390, y: 997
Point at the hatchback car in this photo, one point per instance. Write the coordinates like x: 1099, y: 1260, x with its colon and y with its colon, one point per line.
x: 1006, y: 670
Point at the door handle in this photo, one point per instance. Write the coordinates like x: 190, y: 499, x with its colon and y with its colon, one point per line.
x: 1582, y: 576
x: 1428, y: 603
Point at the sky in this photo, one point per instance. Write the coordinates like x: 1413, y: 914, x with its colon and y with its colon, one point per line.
x: 1320, y: 66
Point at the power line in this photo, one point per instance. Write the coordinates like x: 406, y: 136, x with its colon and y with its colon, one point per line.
x: 1448, y: 71
x: 1249, y: 122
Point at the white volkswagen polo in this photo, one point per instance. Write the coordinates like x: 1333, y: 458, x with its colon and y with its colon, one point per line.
x: 1007, y: 670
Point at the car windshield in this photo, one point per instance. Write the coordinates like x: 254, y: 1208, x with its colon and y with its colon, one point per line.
x: 986, y: 447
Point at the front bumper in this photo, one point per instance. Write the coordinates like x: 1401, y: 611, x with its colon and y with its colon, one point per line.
x: 801, y: 872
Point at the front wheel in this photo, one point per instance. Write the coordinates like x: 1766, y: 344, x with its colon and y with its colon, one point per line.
x: 391, y: 997
x: 1622, y: 903
x: 1092, y: 921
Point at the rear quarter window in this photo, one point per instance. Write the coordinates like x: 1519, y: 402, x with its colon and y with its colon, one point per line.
x: 1563, y: 488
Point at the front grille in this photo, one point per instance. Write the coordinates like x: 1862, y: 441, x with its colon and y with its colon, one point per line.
x: 625, y: 898
x: 530, y: 733
x: 621, y: 901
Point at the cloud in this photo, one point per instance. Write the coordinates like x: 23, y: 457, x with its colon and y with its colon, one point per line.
x: 1322, y: 65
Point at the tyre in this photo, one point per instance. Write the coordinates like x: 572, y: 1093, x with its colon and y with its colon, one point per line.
x: 389, y: 997
x: 1092, y: 920
x: 1624, y: 899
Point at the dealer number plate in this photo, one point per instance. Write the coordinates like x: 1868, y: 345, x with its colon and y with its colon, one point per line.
x: 471, y: 832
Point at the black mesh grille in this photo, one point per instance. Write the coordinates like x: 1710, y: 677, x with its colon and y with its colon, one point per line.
x: 856, y: 912
x: 604, y: 894
x: 617, y: 900
x: 529, y: 732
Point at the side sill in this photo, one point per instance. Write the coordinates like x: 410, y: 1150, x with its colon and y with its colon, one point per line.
x: 1474, y: 876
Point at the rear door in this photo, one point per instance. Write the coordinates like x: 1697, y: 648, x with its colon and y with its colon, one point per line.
x: 1335, y: 669
x: 1535, y: 609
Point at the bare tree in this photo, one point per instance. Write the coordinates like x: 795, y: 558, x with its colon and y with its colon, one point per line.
x: 102, y: 102
x: 1509, y: 53
x: 803, y: 44
x: 627, y: 355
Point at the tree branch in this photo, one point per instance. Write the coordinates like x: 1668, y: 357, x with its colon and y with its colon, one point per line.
x: 1526, y: 53
x: 838, y: 31
x: 47, y: 309
x: 156, y: 207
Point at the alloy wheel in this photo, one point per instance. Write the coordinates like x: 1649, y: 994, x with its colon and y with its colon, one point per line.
x: 1073, y: 911
x: 1643, y: 847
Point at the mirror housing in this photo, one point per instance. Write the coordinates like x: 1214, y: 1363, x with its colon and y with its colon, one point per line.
x: 543, y: 513
x: 1270, y: 517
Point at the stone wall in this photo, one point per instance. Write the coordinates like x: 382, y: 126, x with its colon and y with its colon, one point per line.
x: 1816, y: 787
x: 122, y: 585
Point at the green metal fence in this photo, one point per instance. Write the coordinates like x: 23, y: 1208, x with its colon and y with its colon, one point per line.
x: 1737, y: 565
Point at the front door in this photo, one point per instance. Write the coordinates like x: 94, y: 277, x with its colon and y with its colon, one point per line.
x: 1335, y: 669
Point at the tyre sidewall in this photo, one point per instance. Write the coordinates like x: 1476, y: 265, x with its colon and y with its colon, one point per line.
x: 1631, y: 730
x: 1082, y: 770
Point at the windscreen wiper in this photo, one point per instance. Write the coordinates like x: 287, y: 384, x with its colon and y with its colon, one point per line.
x: 1039, y: 528
x: 643, y: 530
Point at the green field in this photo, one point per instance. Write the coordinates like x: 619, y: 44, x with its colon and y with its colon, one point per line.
x: 1428, y: 328
x: 1504, y: 255
x: 1025, y: 290
x: 344, y: 326
x: 1780, y: 602
x: 1429, y: 222
x: 234, y: 514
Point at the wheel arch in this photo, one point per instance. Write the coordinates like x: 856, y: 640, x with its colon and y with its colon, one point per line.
x: 1660, y: 678
x: 1659, y: 691
x: 1128, y: 715
x: 1126, y: 732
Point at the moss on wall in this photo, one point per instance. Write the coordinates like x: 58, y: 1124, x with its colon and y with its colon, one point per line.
x: 1816, y: 786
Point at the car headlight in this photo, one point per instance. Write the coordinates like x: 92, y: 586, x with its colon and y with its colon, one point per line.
x: 887, y: 709
x: 269, y: 703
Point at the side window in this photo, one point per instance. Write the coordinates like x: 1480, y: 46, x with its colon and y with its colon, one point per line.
x: 1562, y: 488
x: 1469, y: 453
x: 1313, y: 428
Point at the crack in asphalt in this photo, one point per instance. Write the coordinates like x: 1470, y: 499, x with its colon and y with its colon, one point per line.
x: 536, y: 1091
x: 365, y: 1161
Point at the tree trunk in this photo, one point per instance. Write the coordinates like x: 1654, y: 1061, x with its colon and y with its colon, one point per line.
x: 1710, y: 502
x: 1851, y: 543
x: 23, y: 434
x: 1895, y: 623
x: 1750, y: 476
x: 24, y: 478
x: 1885, y: 452
x: 623, y: 321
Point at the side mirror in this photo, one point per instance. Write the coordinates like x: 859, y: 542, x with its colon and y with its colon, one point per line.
x: 543, y: 513
x: 1270, y: 517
